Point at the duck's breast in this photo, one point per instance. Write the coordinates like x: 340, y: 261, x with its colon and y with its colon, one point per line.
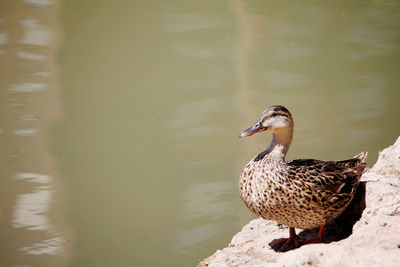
x: 269, y: 192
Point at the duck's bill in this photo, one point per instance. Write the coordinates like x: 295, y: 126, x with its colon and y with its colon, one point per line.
x: 257, y: 127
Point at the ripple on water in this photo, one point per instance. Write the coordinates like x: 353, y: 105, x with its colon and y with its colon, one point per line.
x: 26, y: 87
x: 30, y: 208
x: 30, y: 211
x: 25, y: 132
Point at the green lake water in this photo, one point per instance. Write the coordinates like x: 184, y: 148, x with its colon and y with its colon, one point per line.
x: 119, y: 119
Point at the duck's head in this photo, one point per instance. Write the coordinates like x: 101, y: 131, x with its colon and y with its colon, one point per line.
x: 275, y: 119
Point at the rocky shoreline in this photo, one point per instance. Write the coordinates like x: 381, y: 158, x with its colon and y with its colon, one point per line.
x: 366, y: 234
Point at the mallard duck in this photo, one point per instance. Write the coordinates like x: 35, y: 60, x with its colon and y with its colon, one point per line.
x: 303, y: 193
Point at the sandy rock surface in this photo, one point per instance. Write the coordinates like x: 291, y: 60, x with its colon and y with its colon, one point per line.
x: 372, y: 240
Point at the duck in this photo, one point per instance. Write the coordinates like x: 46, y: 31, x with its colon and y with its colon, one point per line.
x: 302, y: 193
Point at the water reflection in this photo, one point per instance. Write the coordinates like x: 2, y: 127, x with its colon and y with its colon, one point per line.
x: 29, y: 56
x: 25, y: 132
x: 32, y: 226
x: 30, y: 208
x: 39, y: 3
x: 35, y: 33
x: 28, y: 87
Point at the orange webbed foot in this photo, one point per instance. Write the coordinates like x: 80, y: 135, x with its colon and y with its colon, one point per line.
x: 285, y: 244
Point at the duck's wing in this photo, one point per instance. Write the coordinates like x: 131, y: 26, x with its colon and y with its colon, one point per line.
x: 332, y: 176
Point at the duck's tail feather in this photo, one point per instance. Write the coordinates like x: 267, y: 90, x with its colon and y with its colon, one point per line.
x: 361, y: 156
x: 359, y: 167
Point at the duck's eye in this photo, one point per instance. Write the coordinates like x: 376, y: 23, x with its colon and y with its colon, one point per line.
x: 278, y: 114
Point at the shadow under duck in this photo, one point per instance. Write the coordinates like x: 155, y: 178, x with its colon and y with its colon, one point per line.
x: 303, y: 193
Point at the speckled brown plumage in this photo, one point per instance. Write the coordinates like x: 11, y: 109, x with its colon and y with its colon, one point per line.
x: 303, y: 193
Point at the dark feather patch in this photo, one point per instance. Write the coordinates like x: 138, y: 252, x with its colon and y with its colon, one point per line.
x: 332, y: 176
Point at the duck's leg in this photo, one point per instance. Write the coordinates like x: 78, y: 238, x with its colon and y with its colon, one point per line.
x: 284, y: 243
x: 318, y: 239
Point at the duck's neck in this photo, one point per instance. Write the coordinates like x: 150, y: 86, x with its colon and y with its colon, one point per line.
x: 279, y: 146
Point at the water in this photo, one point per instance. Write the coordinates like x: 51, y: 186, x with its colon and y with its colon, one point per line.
x: 119, y: 119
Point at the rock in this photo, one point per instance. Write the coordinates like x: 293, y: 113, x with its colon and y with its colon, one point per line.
x: 388, y: 163
x: 373, y: 241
